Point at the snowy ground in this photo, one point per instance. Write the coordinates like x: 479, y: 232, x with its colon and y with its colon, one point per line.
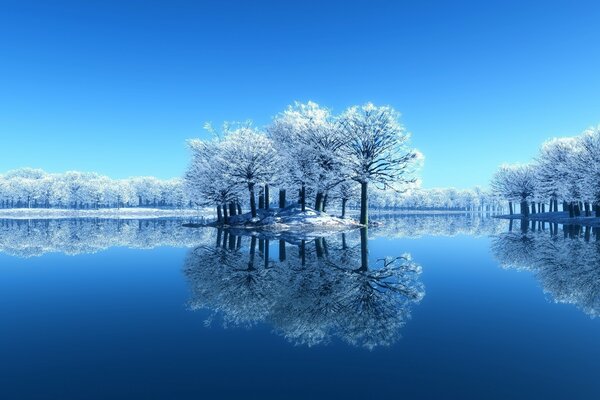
x: 557, y: 217
x: 274, y: 222
x: 120, y: 213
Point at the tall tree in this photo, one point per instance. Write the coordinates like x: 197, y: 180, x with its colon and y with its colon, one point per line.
x: 376, y: 150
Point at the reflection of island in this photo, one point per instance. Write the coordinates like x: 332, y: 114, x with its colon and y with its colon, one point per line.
x: 564, y: 258
x: 310, y: 292
x: 29, y: 238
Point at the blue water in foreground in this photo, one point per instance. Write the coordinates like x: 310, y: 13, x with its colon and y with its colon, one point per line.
x: 479, y: 314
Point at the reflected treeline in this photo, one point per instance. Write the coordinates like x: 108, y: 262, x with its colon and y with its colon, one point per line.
x: 29, y: 238
x: 309, y: 291
x: 564, y: 258
x: 416, y: 225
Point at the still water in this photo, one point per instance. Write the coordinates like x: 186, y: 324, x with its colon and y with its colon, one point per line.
x: 425, y: 307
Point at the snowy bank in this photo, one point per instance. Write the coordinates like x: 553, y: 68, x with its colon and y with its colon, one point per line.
x: 556, y: 218
x: 108, y: 213
x: 289, y: 219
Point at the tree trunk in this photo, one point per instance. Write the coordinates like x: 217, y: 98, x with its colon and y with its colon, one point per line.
x: 587, y: 209
x: 281, y: 250
x: 344, y: 201
x: 219, y: 215
x: 303, y: 197
x: 524, y: 208
x: 261, y: 201
x: 510, y: 207
x: 577, y: 209
x: 225, y: 216
x: 266, y: 196
x: 239, y: 207
x: 571, y: 210
x: 232, y: 209
x: 533, y: 207
x: 281, y: 198
x: 319, y: 202
x: 324, y: 205
x: 364, y: 204
x: 252, y: 200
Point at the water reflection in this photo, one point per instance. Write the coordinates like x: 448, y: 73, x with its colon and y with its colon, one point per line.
x: 29, y: 238
x: 309, y: 291
x: 564, y: 258
x: 417, y: 225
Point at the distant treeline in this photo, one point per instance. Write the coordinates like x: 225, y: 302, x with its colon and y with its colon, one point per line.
x: 35, y: 188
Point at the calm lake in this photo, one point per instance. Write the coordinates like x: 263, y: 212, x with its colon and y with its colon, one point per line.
x: 424, y: 307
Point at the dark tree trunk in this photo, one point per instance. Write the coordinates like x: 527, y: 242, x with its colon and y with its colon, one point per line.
x: 232, y: 209
x: 524, y: 208
x: 219, y: 215
x: 266, y: 253
x: 252, y: 252
x: 261, y: 201
x: 266, y: 197
x: 281, y: 198
x: 571, y: 210
x: 510, y: 207
x: 597, y: 210
x: 577, y: 209
x: 587, y: 209
x: 252, y: 200
x: 225, y: 216
x: 364, y: 203
x: 303, y: 197
x: 239, y: 207
x: 324, y: 206
x: 533, y: 207
x: 281, y: 250
x: 319, y: 202
x: 344, y: 201
x: 364, y: 250
x: 543, y: 210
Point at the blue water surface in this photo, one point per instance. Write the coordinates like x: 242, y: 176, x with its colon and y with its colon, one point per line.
x: 118, y: 320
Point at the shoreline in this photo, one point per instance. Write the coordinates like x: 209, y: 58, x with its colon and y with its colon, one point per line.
x: 106, y: 213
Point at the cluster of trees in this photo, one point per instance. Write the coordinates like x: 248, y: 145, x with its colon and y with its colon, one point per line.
x: 567, y: 171
x: 310, y: 292
x: 445, y: 199
x: 35, y: 188
x: 305, y: 153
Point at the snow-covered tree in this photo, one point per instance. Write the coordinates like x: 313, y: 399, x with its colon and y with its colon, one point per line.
x: 376, y: 150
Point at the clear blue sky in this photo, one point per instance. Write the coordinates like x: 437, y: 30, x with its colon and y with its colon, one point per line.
x: 117, y: 87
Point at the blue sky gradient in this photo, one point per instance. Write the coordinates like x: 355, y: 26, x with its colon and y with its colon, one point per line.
x: 117, y: 87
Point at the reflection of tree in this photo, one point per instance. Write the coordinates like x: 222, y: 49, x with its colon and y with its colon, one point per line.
x: 28, y: 238
x: 319, y: 289
x: 566, y: 260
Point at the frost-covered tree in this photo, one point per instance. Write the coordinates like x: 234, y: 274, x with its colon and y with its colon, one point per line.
x: 294, y: 133
x: 376, y: 150
x: 249, y: 159
x: 516, y: 183
x: 589, y: 164
x: 206, y: 179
